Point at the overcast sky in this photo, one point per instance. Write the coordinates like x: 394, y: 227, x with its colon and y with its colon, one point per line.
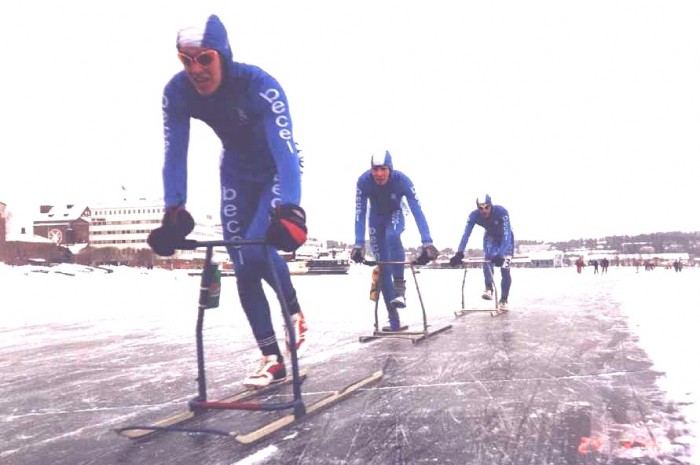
x: 581, y: 118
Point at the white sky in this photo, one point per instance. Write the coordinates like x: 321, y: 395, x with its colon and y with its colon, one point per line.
x: 581, y: 118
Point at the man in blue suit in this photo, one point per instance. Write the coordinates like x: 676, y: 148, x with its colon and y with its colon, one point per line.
x: 499, y: 244
x: 384, y: 188
x: 260, y: 176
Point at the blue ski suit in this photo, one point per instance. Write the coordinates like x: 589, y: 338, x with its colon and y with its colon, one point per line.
x: 498, y: 240
x: 387, y: 221
x: 259, y: 166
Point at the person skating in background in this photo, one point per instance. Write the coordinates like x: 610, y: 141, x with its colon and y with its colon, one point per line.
x: 383, y: 188
x: 678, y: 265
x: 499, y: 244
x: 260, y: 176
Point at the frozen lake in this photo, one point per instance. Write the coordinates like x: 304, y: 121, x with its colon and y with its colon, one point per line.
x: 82, y: 352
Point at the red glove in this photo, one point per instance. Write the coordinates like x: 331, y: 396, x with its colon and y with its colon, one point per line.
x: 287, y: 229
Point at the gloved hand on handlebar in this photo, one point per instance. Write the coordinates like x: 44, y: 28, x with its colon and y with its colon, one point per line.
x: 503, y: 262
x: 287, y: 229
x: 428, y: 253
x: 177, y: 223
x: 358, y: 254
x: 457, y: 259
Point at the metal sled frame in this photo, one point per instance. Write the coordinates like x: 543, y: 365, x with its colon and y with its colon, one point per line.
x: 493, y: 311
x: 414, y: 336
x: 241, y: 400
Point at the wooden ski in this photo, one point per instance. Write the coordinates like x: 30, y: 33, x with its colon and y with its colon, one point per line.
x: 137, y: 432
x: 253, y: 436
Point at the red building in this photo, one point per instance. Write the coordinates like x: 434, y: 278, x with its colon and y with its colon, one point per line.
x: 64, y: 225
x: 3, y: 222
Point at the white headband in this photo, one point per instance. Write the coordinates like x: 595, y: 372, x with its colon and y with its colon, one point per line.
x: 190, y: 37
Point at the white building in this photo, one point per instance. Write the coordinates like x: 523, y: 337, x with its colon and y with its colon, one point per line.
x: 127, y: 224
x: 546, y: 259
x: 124, y: 224
x: 312, y: 248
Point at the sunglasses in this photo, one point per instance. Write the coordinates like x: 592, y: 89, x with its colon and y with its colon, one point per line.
x: 484, y: 207
x: 204, y: 58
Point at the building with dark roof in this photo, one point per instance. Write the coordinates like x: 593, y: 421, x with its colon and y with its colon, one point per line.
x: 64, y: 224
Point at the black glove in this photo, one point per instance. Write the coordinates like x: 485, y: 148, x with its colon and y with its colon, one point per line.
x: 287, y: 229
x: 176, y: 225
x: 358, y: 254
x: 457, y: 259
x: 428, y: 253
x: 503, y: 262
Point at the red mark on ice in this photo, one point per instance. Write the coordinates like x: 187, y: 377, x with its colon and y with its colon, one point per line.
x: 589, y: 445
x: 639, y: 441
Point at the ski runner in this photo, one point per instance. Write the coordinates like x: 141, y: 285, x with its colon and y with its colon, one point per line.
x: 384, y: 188
x: 499, y: 244
x: 260, y: 176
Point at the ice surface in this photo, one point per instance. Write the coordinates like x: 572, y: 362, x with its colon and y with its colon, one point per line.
x: 609, y: 358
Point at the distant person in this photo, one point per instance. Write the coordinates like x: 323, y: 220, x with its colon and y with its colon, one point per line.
x: 594, y: 262
x: 580, y: 264
x: 384, y: 188
x: 499, y: 244
x: 259, y: 175
x: 677, y: 265
x: 604, y: 263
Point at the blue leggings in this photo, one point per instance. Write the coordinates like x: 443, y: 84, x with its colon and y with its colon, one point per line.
x: 490, y: 246
x: 505, y: 279
x: 385, y: 242
x: 245, y: 214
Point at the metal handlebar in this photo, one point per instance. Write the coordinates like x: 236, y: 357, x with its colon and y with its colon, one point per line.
x: 190, y: 244
x: 390, y: 262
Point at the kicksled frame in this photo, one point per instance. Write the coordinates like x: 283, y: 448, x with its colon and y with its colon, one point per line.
x: 414, y: 336
x: 495, y: 311
x: 243, y: 400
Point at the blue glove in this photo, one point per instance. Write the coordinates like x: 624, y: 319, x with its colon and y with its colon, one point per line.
x: 457, y: 259
x: 177, y: 223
